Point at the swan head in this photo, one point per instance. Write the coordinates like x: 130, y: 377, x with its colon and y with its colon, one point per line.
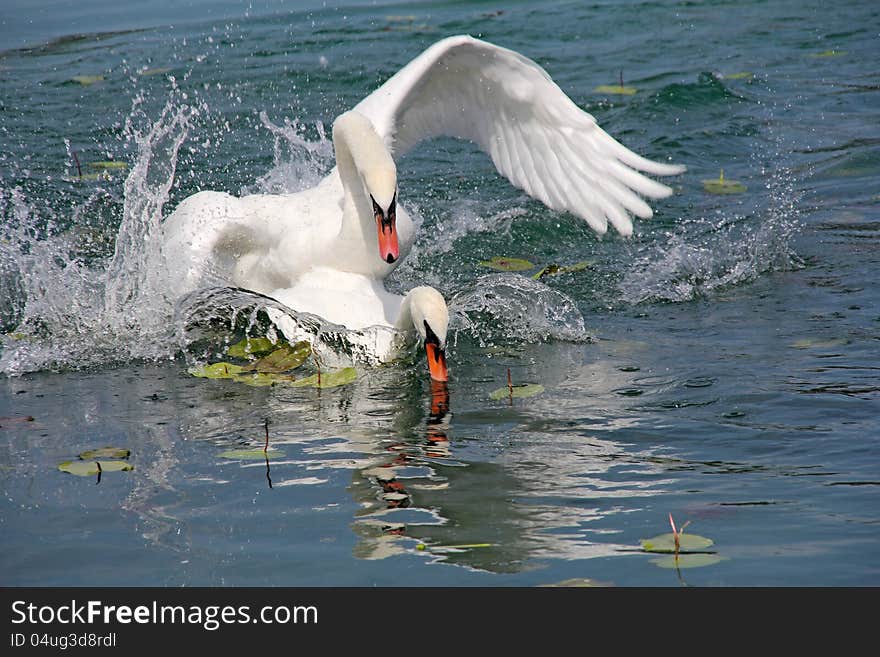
x: 430, y: 318
x: 377, y: 172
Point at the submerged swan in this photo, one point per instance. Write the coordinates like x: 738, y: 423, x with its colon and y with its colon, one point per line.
x: 326, y: 250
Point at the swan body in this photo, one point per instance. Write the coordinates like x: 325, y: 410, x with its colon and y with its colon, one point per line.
x: 327, y: 250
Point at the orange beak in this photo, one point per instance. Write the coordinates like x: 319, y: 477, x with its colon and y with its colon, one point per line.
x: 389, y: 250
x: 436, y: 362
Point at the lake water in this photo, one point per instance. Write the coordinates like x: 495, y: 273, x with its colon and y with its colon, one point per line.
x: 722, y: 365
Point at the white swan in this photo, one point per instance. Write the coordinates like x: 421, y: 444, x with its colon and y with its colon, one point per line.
x: 326, y: 250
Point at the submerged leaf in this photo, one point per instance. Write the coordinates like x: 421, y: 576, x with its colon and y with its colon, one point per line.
x: 106, y: 453
x: 687, y: 560
x: 507, y: 264
x: 666, y: 543
x: 524, y: 390
x: 329, y: 379
x: 91, y: 468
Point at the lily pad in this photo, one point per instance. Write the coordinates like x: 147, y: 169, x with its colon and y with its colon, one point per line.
x: 524, y: 390
x: 106, y: 453
x: 109, y: 164
x: 284, y: 358
x: 91, y: 468
x: 251, y: 348
x: 721, y: 185
x: 619, y: 89
x: 217, y: 371
x: 742, y: 75
x: 502, y: 263
x: 87, y: 80
x: 551, y: 270
x: 687, y: 560
x: 329, y: 379
x: 818, y: 343
x: 665, y: 543
x: 250, y: 454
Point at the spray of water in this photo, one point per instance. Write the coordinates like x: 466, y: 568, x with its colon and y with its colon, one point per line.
x: 73, y: 313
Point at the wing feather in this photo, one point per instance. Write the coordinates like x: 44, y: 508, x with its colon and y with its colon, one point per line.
x: 535, y: 135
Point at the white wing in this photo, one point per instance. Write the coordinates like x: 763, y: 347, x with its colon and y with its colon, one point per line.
x: 536, y: 136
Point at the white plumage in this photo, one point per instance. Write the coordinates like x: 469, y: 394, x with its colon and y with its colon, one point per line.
x: 327, y: 250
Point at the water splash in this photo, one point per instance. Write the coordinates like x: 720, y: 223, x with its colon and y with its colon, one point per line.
x: 499, y: 308
x: 73, y: 313
x: 298, y: 162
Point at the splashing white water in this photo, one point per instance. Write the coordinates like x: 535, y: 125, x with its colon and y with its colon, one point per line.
x: 76, y: 314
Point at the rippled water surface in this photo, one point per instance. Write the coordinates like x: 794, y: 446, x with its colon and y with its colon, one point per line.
x: 721, y: 365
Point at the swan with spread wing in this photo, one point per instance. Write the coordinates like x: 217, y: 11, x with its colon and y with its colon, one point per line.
x: 326, y: 250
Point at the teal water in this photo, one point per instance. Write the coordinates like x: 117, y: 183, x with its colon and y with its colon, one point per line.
x: 721, y: 365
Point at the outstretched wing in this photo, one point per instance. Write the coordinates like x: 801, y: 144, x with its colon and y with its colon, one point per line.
x: 536, y: 136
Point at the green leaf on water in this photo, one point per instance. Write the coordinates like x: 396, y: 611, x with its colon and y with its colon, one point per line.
x: 91, y: 468
x: 502, y: 263
x: 109, y: 164
x: 665, y: 543
x: 252, y: 348
x: 286, y: 357
x: 329, y: 379
x: 553, y: 269
x: 217, y: 371
x: 829, y: 53
x: 106, y: 453
x: 250, y: 454
x: 87, y: 80
x: 742, y: 75
x: 721, y: 185
x: 524, y: 390
x: 618, y: 89
x: 687, y: 560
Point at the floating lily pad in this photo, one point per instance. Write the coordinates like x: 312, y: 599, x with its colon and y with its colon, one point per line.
x: 91, y: 468
x: 217, y: 371
x: 286, y: 357
x: 551, y: 270
x: 524, y: 390
x: 106, y: 453
x: 251, y: 348
x: 250, y: 454
x: 687, y: 560
x: 507, y: 264
x: 109, y: 164
x: 742, y: 75
x: 87, y: 80
x: 619, y: 89
x: 721, y: 185
x: 665, y: 543
x: 810, y: 343
x: 329, y: 379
